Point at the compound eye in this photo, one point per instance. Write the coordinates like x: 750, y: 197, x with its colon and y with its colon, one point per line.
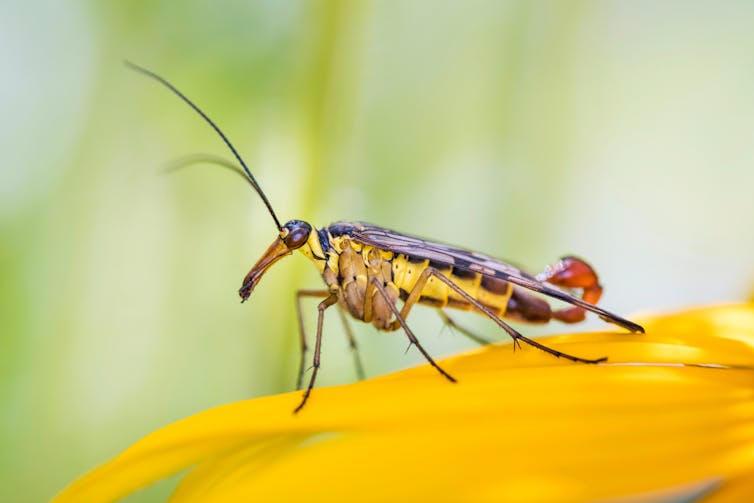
x: 297, y: 237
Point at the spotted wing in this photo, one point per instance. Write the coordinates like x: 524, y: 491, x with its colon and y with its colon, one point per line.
x: 467, y: 260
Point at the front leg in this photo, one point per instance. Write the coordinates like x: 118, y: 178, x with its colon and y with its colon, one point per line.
x: 302, y: 334
x: 302, y: 331
x: 329, y: 301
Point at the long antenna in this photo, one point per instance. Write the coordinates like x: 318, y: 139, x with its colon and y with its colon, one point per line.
x: 188, y: 160
x: 190, y: 103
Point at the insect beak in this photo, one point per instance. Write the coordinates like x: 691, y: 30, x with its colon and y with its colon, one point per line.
x: 277, y: 250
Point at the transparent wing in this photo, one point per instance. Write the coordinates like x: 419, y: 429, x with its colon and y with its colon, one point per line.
x: 466, y: 260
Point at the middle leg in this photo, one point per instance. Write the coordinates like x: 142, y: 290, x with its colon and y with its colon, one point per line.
x: 464, y: 331
x: 352, y: 344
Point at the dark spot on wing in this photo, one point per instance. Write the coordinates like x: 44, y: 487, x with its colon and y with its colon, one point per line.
x: 415, y: 260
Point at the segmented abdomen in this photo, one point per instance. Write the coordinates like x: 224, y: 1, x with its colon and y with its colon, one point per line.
x: 491, y: 292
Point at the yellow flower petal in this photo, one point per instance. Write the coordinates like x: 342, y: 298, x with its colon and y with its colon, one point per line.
x: 672, y: 412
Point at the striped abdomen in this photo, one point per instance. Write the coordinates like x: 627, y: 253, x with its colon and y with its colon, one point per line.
x: 491, y: 292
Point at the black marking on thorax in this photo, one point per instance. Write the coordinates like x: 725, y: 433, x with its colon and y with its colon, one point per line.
x: 324, y: 240
x: 340, y: 228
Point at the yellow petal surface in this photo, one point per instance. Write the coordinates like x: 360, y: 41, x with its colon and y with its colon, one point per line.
x: 671, y: 414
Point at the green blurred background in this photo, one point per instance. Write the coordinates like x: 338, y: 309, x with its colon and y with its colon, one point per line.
x: 619, y: 131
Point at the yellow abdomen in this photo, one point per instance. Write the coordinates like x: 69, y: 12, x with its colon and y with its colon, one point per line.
x: 491, y: 292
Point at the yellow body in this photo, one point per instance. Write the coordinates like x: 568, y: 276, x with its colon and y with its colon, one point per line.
x: 348, y: 267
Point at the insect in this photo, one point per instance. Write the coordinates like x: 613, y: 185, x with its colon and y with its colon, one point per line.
x: 368, y: 269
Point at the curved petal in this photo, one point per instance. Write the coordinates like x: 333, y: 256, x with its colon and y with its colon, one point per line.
x: 671, y: 410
